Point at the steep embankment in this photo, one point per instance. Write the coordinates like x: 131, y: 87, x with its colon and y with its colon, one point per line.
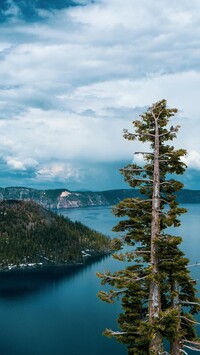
x: 63, y: 198
x: 32, y: 235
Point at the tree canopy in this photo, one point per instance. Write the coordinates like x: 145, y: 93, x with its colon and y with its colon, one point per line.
x: 157, y: 293
x: 31, y: 234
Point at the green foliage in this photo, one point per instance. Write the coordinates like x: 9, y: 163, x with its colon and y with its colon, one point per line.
x: 30, y: 234
x: 158, y: 296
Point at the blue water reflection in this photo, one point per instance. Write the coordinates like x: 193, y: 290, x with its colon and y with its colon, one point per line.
x: 55, y: 311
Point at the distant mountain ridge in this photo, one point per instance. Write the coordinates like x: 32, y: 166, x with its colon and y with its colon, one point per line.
x: 63, y: 198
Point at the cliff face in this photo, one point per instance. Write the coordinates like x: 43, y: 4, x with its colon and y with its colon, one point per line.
x: 61, y: 198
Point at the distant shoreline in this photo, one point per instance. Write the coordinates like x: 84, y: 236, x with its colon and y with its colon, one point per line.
x: 63, y: 198
x: 56, y: 266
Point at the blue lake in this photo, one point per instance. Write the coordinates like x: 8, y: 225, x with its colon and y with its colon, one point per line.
x: 55, y: 311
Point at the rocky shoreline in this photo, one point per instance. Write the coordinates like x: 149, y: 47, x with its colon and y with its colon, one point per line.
x: 41, y: 266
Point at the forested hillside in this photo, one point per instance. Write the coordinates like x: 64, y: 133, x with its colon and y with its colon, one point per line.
x: 30, y: 234
x: 63, y: 198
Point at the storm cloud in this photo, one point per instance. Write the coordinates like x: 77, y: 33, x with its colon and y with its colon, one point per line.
x: 75, y: 73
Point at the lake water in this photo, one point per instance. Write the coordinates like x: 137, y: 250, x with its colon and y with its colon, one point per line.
x: 55, y: 311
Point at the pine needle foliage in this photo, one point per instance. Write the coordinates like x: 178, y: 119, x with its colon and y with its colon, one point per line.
x: 157, y: 293
x: 31, y: 234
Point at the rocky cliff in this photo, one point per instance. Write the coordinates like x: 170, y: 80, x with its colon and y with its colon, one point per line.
x: 63, y: 198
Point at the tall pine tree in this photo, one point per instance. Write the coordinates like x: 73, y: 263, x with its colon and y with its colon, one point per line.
x: 157, y: 293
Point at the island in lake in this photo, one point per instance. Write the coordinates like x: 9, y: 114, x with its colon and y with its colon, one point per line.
x: 31, y: 235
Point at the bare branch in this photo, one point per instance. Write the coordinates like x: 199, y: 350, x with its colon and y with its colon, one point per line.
x: 168, y: 202
x: 128, y: 279
x: 192, y: 265
x: 118, y: 333
x: 142, y: 201
x: 192, y: 342
x: 127, y: 209
x: 166, y: 154
x: 115, y: 333
x: 156, y: 118
x: 144, y: 135
x: 143, y: 180
x: 164, y: 134
x: 189, y: 320
x: 191, y: 348
x: 133, y: 169
x: 184, y: 352
x: 150, y: 153
x: 194, y: 345
x: 141, y: 251
x: 192, y: 303
x: 166, y: 182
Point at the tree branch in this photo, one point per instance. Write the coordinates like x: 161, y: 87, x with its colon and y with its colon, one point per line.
x: 184, y: 352
x: 150, y: 153
x: 124, y: 278
x: 133, y: 169
x: 192, y: 303
x: 191, y: 348
x: 168, y: 202
x: 116, y: 293
x: 192, y: 342
x: 144, y: 135
x: 192, y: 265
x: 143, y: 180
x: 166, y: 182
x: 141, y: 251
x: 142, y: 201
x: 166, y: 154
x: 189, y: 320
x: 115, y: 333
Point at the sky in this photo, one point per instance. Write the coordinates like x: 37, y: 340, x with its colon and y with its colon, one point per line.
x: 74, y: 74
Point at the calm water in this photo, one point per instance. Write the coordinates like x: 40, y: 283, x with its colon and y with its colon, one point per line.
x: 55, y: 311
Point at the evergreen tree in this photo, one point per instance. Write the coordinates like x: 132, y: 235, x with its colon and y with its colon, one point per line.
x: 157, y: 293
x: 30, y: 234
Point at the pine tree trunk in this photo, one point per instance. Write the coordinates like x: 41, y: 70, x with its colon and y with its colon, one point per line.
x: 156, y: 344
x: 175, y: 348
x: 175, y: 345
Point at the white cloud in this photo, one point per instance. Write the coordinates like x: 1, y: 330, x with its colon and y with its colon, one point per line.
x: 26, y: 164
x: 57, y: 172
x: 72, y: 82
x: 53, y: 135
x: 192, y: 160
x: 15, y: 164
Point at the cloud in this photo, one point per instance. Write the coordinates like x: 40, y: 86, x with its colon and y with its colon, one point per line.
x: 73, y: 76
x: 34, y: 10
x: 192, y: 160
x: 27, y: 164
x: 15, y: 164
x: 52, y: 135
x: 58, y: 172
